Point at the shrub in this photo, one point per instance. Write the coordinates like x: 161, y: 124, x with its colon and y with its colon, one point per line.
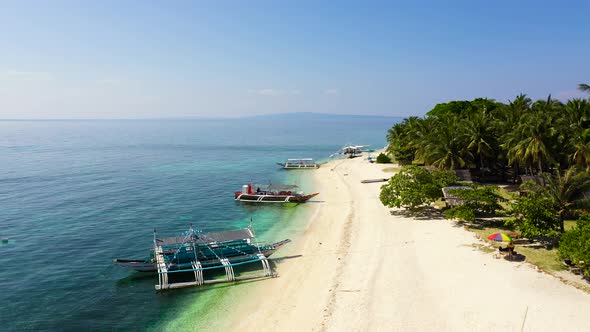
x: 575, y: 244
x: 534, y: 216
x: 477, y: 200
x: 383, y: 159
x: 414, y: 186
x: 444, y: 178
x: 402, y: 154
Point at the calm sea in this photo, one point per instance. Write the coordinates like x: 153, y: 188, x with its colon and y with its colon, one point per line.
x: 76, y: 194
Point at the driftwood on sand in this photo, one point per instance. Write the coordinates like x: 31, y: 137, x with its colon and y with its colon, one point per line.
x: 375, y: 180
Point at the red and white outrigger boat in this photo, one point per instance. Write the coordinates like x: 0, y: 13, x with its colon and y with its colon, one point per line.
x: 271, y: 193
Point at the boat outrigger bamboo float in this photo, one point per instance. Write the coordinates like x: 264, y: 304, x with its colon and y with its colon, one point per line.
x: 196, y: 252
x: 272, y: 193
x: 303, y: 163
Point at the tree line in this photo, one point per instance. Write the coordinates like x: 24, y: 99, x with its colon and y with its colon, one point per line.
x: 494, y: 138
x: 546, y: 138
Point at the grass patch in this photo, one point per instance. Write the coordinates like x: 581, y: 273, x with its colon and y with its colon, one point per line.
x: 508, y: 194
x: 392, y: 169
x: 569, y: 224
x: 546, y: 259
x: 439, y: 203
x: 483, y: 247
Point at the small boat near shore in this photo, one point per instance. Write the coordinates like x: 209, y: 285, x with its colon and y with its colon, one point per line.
x: 195, y: 252
x: 272, y: 193
x: 352, y: 151
x: 302, y: 163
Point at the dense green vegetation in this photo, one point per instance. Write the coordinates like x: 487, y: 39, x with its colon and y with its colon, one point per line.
x: 547, y: 139
x: 534, y: 216
x: 575, y: 245
x: 562, y: 193
x: 383, y: 159
x: 414, y: 187
x: 477, y: 201
x: 497, y: 139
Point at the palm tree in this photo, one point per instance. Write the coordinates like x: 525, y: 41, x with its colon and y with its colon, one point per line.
x: 505, y: 124
x: 584, y: 87
x: 529, y: 143
x: 573, y: 134
x: 402, y: 139
x: 581, y: 145
x: 565, y: 191
x: 444, y: 146
x: 534, y: 138
x: 478, y: 134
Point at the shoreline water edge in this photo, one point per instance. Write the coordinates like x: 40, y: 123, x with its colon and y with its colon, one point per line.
x: 356, y: 265
x: 118, y: 180
x: 213, y: 304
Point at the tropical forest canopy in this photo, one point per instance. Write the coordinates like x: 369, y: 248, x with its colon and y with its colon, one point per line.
x: 546, y: 138
x: 520, y: 137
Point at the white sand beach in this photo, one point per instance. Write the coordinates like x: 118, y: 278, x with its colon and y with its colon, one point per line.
x: 359, y: 267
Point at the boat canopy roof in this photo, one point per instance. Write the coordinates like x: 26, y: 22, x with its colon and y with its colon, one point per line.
x: 274, y: 187
x: 239, y: 234
x: 300, y: 159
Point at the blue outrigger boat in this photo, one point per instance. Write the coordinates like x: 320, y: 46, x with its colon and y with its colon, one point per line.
x: 195, y: 252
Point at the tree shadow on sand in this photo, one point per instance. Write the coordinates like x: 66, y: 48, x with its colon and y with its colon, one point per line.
x: 422, y: 213
x: 482, y: 223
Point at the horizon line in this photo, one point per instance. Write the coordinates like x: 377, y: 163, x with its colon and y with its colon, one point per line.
x: 204, y: 117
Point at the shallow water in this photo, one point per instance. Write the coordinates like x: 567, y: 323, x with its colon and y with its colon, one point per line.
x: 76, y: 194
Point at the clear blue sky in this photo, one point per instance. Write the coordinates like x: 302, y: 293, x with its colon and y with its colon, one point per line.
x: 134, y: 59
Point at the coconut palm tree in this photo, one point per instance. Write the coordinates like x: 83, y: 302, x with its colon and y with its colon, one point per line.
x: 505, y: 124
x: 581, y: 145
x: 572, y: 135
x: 584, y: 87
x: 529, y: 143
x: 444, y: 146
x: 533, y: 140
x: 478, y: 134
x: 565, y: 191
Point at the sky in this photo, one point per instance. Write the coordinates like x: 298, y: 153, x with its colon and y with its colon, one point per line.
x: 154, y: 59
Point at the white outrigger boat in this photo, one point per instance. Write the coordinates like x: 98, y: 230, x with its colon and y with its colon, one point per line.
x: 352, y: 151
x: 302, y: 163
x: 194, y: 253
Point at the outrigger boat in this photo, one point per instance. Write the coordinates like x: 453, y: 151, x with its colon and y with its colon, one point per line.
x: 303, y: 163
x: 272, y: 193
x: 352, y: 151
x: 196, y: 252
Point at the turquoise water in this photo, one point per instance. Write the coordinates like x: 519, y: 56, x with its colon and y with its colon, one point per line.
x: 76, y: 194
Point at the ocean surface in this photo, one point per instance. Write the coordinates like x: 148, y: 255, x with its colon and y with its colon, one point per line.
x: 74, y: 194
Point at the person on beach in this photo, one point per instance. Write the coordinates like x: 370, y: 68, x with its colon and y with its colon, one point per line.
x: 510, y: 249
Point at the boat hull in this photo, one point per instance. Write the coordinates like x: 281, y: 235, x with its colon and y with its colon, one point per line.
x: 296, y: 166
x: 149, y: 266
x: 252, y: 198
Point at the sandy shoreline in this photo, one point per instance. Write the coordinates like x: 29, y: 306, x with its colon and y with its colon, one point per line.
x: 358, y: 267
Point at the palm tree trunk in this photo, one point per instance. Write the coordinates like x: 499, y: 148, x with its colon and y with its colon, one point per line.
x: 561, y: 223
